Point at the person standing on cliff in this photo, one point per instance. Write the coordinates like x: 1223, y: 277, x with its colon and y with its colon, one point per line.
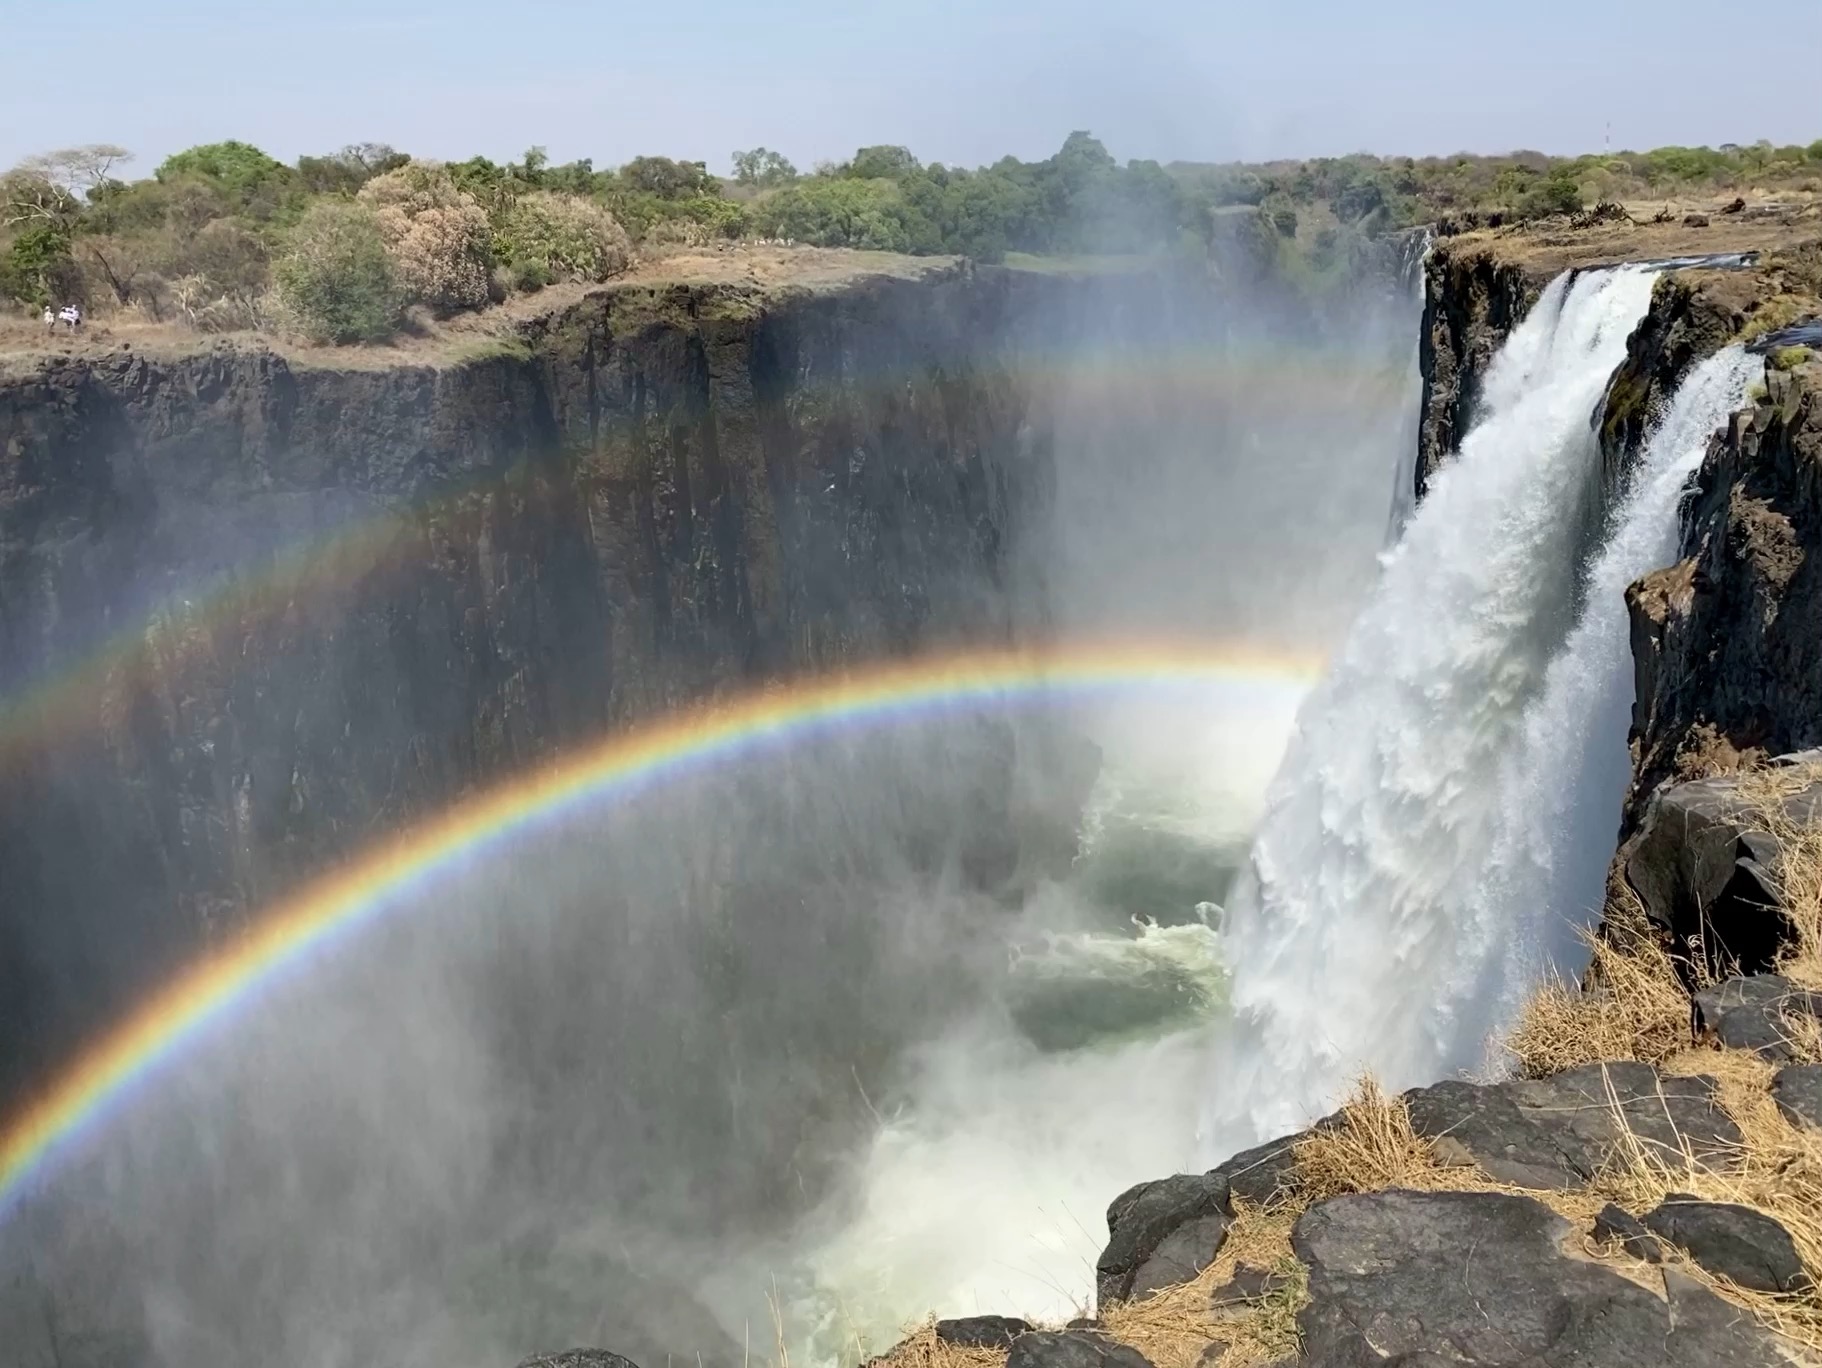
x: 50, y: 319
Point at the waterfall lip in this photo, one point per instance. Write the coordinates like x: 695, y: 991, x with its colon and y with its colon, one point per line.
x: 1705, y: 261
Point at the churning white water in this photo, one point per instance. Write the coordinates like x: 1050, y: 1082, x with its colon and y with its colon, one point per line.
x: 1561, y: 786
x: 1346, y: 944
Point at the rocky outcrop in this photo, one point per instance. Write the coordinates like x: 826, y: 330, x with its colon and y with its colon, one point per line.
x: 1704, y: 868
x: 1693, y: 314
x: 1744, y: 1246
x: 1764, y: 1013
x: 1472, y: 299
x: 1727, y: 664
x: 1162, y: 1233
x: 1487, y: 1278
x: 254, y: 612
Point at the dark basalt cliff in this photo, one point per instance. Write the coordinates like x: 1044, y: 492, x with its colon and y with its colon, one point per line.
x: 1472, y: 299
x: 260, y: 612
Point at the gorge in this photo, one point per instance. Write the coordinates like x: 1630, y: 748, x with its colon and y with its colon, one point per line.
x: 861, y: 1027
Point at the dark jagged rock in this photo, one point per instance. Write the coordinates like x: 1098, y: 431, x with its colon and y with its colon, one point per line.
x: 1727, y: 664
x: 1072, y: 1349
x: 1758, y: 1013
x: 578, y: 1358
x: 1160, y: 1234
x: 1263, y: 1173
x: 1472, y: 300
x: 981, y: 1332
x: 1693, y: 314
x: 1705, y: 868
x: 1619, y: 1225
x: 1428, y: 1278
x: 1735, y: 1242
x: 1557, y: 1132
x: 1798, y: 1092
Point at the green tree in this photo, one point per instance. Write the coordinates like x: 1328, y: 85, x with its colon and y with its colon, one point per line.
x: 38, y: 266
x: 668, y: 179
x: 252, y: 182
x: 336, y: 277
x: 762, y: 168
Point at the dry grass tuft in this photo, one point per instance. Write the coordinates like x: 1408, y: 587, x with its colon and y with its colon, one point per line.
x: 1798, y: 876
x: 920, y: 1348
x: 1370, y: 1146
x: 1173, y: 1328
x: 1634, y: 1007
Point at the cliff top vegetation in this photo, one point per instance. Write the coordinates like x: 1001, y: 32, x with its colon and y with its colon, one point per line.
x: 367, y: 244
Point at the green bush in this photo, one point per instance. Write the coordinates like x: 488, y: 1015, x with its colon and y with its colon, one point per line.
x: 548, y: 237
x: 337, y: 279
x: 37, y: 268
x: 838, y: 212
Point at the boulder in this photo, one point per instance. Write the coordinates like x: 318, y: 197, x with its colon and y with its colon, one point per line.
x: 1756, y: 1013
x: 982, y: 1332
x: 1798, y: 1092
x: 1264, y: 1173
x: 1473, y: 1278
x: 1740, y: 1244
x: 1162, y: 1233
x: 578, y: 1358
x: 1072, y: 1349
x: 1705, y: 872
x: 1557, y: 1132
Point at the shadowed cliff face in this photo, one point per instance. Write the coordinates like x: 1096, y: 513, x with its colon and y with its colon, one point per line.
x: 1727, y: 660
x: 262, y: 613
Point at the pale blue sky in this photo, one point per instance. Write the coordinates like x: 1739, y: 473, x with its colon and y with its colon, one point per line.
x: 957, y: 82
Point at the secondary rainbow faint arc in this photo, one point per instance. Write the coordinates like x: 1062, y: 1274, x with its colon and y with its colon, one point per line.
x: 390, y: 872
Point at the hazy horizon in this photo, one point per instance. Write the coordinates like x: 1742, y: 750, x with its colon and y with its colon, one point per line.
x: 956, y: 83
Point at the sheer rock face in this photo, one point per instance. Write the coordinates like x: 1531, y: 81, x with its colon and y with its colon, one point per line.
x: 1472, y: 300
x: 1726, y: 659
x: 261, y: 611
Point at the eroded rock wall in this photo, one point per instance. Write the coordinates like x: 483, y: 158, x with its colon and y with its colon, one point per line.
x: 254, y: 613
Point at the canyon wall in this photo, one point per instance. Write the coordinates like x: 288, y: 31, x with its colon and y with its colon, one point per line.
x: 256, y: 610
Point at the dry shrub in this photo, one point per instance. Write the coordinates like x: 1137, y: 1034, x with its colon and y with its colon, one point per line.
x: 1633, y: 1007
x: 1370, y: 1146
x: 436, y: 233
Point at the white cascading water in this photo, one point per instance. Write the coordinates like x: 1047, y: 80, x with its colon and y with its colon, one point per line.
x: 1561, y: 787
x: 1346, y: 944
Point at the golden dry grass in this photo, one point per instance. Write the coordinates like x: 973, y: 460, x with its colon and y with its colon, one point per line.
x: 1632, y: 1007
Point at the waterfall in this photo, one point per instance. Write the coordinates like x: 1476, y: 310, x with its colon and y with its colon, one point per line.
x: 1562, y: 784
x: 1346, y: 942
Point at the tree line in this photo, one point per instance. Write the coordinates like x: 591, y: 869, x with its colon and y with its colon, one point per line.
x: 346, y: 246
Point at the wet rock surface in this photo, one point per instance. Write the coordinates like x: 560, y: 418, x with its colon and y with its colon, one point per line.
x: 1735, y: 1242
x: 1483, y: 1279
x: 1162, y: 1233
x: 1557, y: 1132
x: 1472, y: 300
x: 578, y: 1358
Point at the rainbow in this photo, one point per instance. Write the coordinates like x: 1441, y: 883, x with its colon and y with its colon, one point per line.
x: 396, y: 872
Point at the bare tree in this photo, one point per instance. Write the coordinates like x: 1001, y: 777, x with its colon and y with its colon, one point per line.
x: 77, y: 169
